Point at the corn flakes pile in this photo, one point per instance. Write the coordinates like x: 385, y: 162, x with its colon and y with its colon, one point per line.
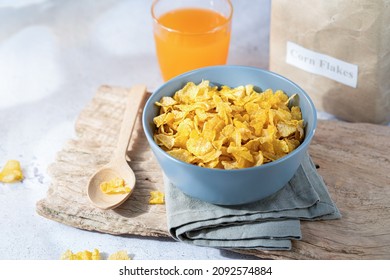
x: 11, y: 172
x: 227, y: 128
x: 115, y: 186
x: 157, y: 197
x: 94, y: 255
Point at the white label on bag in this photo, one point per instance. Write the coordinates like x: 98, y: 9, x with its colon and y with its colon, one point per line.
x: 321, y: 64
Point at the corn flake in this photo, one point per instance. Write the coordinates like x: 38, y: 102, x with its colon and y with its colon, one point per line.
x: 11, y: 172
x: 94, y: 255
x: 228, y: 128
x: 157, y: 197
x: 82, y: 255
x: 115, y: 186
x: 120, y: 256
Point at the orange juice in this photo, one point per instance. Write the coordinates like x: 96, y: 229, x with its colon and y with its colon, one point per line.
x: 190, y: 38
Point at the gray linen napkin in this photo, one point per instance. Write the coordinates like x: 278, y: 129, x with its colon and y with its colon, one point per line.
x: 269, y: 224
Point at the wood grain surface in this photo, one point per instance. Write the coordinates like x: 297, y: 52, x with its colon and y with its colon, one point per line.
x: 354, y: 160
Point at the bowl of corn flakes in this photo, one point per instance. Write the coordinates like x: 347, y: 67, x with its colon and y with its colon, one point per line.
x: 229, y: 135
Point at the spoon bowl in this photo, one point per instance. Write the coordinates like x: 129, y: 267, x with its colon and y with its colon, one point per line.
x: 118, y: 167
x: 107, y: 173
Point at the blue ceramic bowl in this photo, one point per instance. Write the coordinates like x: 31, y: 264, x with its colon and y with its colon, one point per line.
x: 230, y: 187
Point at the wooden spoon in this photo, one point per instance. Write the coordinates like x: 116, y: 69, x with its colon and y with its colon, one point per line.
x: 118, y: 166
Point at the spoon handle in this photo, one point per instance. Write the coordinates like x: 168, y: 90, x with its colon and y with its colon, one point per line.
x: 133, y: 102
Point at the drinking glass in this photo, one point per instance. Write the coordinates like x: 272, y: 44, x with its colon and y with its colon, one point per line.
x: 190, y: 34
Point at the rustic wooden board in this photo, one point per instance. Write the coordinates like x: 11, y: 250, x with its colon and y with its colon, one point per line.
x: 354, y: 160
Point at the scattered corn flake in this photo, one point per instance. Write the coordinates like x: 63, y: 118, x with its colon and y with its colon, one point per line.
x: 11, y: 172
x: 228, y: 128
x: 157, y: 197
x: 115, y: 186
x: 82, y: 255
x: 94, y: 255
x: 120, y: 255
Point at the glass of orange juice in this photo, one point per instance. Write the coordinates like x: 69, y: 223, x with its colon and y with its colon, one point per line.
x: 190, y: 34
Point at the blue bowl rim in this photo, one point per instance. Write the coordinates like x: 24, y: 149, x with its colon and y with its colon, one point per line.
x: 305, y: 142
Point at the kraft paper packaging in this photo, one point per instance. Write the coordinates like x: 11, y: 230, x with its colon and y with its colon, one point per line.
x: 338, y: 51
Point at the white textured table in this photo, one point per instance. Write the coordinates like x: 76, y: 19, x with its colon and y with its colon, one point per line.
x: 53, y: 57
